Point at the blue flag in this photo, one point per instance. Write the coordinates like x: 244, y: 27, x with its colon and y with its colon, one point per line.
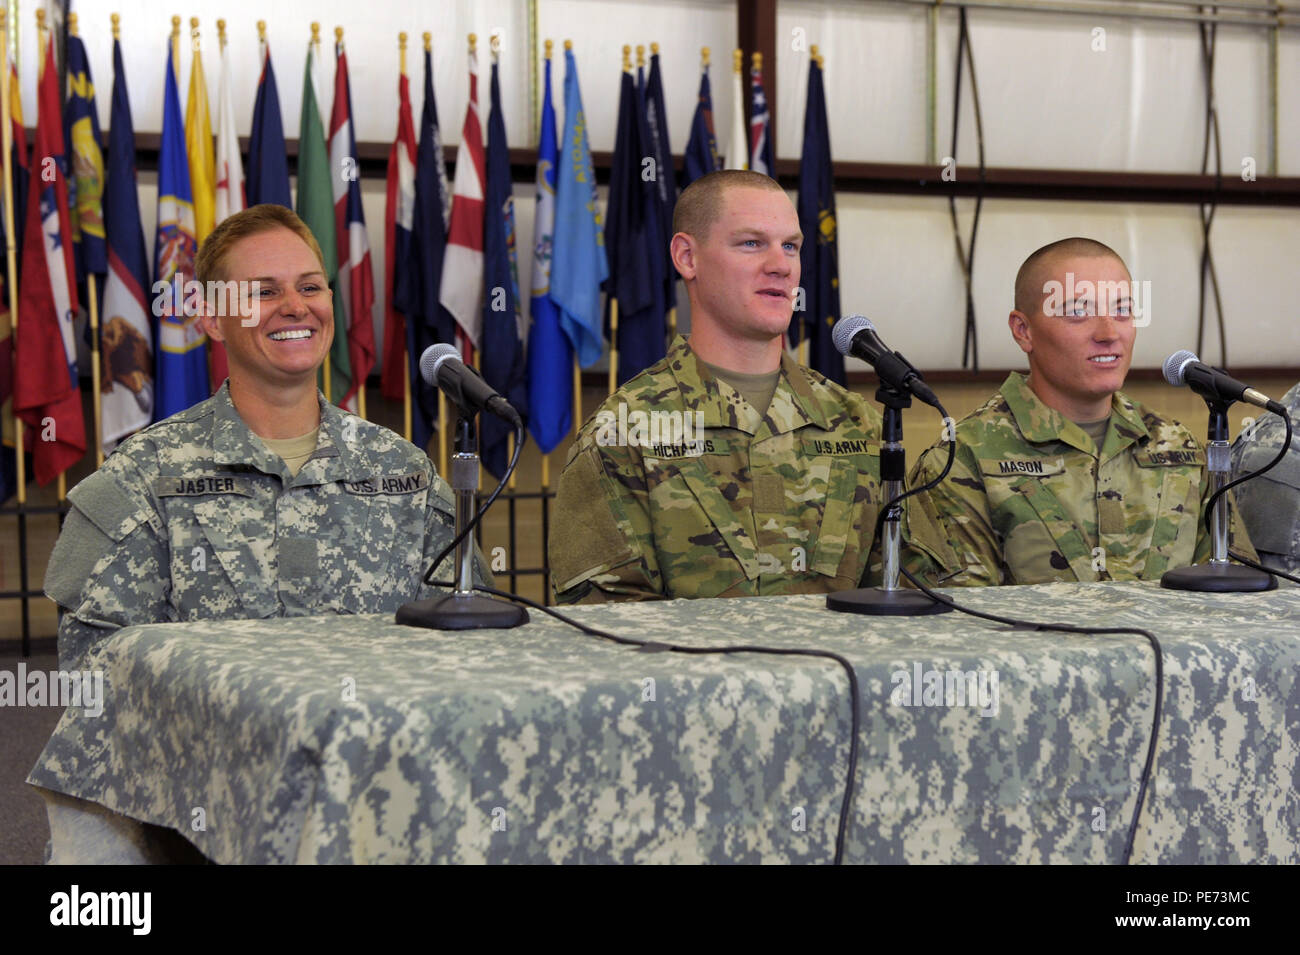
x: 182, y: 374
x: 268, y: 164
x: 634, y: 242
x: 550, y: 356
x: 81, y: 120
x: 417, y: 285
x: 578, y: 265
x: 702, y: 148
x: 666, y: 177
x: 502, y: 347
x: 126, y: 340
x: 819, y: 257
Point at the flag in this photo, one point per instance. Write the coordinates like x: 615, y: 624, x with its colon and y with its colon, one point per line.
x: 9, y: 441
x: 203, y: 185
x: 230, y: 195
x: 316, y: 208
x: 416, y: 287
x: 738, y: 148
x: 760, y: 143
x: 578, y: 265
x: 356, y: 285
x: 502, y: 327
x: 702, y: 148
x: 633, y: 242
x: 46, y: 394
x: 399, y: 216
x: 819, y: 258
x: 198, y: 147
x: 666, y: 178
x: 182, y: 360
x: 268, y: 164
x: 550, y: 356
x: 462, y: 273
x: 86, y: 211
x: 126, y: 339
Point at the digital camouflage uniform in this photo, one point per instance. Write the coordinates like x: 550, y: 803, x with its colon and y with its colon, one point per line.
x: 1030, y: 500
x: 780, y: 503
x: 194, y: 519
x: 1270, y: 504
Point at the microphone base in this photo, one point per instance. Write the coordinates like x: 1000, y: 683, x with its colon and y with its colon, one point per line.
x: 881, y: 603
x: 1218, y: 578
x: 462, y: 612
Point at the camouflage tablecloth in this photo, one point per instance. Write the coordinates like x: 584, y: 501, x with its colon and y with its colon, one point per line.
x: 350, y: 739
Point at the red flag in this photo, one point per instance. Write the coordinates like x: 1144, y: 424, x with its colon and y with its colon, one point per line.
x: 356, y: 281
x: 46, y: 395
x: 399, y: 211
x: 462, y: 265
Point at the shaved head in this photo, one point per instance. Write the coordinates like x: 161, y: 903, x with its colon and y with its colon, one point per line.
x: 701, y: 203
x: 1041, y: 267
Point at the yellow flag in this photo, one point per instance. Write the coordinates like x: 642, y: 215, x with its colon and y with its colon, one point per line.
x: 198, y: 145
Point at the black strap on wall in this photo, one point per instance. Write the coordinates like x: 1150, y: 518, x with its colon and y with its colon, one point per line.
x: 966, y: 256
x: 1208, y: 32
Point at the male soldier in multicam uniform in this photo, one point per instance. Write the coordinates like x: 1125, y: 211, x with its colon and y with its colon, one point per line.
x: 1061, y: 476
x: 262, y: 501
x: 771, y: 483
x: 1270, y: 504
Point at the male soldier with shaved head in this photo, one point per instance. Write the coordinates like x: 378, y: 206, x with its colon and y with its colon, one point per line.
x: 1060, y: 475
x: 726, y: 469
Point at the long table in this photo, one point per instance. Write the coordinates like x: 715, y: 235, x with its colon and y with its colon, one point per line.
x: 350, y: 739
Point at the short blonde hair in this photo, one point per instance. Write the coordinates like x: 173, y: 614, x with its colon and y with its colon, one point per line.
x: 700, y: 204
x: 210, y: 263
x: 1030, y: 278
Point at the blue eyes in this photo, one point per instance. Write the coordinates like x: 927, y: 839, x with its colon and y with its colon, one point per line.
x: 788, y: 246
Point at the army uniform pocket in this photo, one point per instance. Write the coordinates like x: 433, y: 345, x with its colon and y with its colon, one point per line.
x: 382, y: 554
x: 1177, y: 514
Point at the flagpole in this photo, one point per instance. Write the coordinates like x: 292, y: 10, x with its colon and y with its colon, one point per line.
x: 11, y: 255
x: 442, y: 397
x: 577, y: 368
x: 406, y: 365
x: 803, y: 331
x: 361, y: 385
x: 668, y: 226
x: 613, y: 303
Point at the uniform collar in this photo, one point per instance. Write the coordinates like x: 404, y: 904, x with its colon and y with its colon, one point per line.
x: 233, y: 442
x: 1038, y: 423
x: 793, y: 405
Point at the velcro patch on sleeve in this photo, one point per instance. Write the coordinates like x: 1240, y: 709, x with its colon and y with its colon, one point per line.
x: 585, y: 538
x: 108, y: 505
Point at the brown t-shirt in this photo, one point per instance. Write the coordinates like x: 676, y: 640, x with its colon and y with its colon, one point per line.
x: 756, y: 389
x: 295, y: 451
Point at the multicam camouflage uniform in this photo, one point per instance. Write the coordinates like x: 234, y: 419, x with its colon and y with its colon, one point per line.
x: 1029, y: 499
x: 1270, y: 505
x: 780, y: 503
x: 194, y: 519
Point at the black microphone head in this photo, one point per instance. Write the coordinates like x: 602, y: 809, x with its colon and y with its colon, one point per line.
x: 1176, y: 366
x: 434, y: 356
x: 845, y: 330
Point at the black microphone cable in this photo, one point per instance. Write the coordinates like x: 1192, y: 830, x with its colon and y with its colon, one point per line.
x: 1019, y: 624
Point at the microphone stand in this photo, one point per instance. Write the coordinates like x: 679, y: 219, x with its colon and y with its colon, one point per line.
x: 889, y: 599
x: 462, y: 609
x: 1219, y: 576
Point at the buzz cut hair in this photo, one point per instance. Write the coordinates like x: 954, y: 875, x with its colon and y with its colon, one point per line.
x: 210, y: 263
x: 700, y: 204
x: 1032, y: 274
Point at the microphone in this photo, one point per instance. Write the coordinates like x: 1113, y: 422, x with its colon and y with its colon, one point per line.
x: 1184, y: 368
x: 855, y: 335
x: 440, y: 366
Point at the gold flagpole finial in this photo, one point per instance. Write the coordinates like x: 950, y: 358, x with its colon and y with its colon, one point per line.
x: 117, y: 26
x: 3, y: 15
x: 315, y: 33
x: 473, y: 43
x: 428, y: 42
x: 704, y: 56
x: 654, y: 49
x: 494, y: 43
x: 194, y: 34
x: 640, y: 56
x: 756, y: 61
x: 261, y: 31
x: 627, y: 58
x: 737, y: 60
x: 338, y: 36
x: 221, y: 34
x: 72, y: 24
x: 40, y: 18
x: 176, y: 27
x: 401, y: 52
x: 568, y: 44
x: 550, y: 45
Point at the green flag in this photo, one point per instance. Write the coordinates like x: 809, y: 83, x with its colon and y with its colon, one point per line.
x: 316, y: 208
